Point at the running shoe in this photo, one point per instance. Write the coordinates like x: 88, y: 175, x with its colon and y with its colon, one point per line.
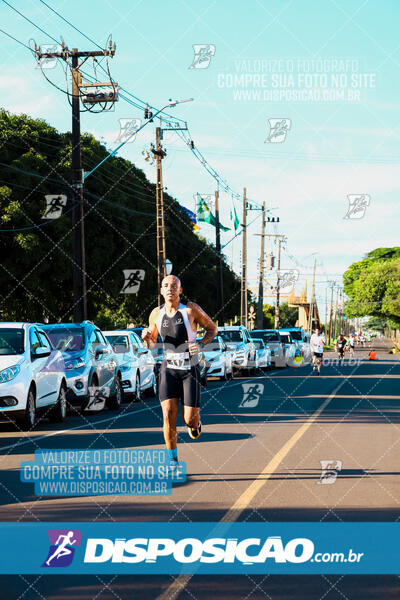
x: 173, y: 465
x: 195, y: 432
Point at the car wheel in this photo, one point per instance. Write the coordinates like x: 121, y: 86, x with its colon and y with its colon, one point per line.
x: 224, y: 377
x: 28, y: 421
x: 138, y: 391
x: 152, y: 391
x: 114, y: 402
x: 59, y: 412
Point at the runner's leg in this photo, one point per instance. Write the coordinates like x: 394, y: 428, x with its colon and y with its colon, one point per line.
x: 170, y: 415
x: 191, y: 402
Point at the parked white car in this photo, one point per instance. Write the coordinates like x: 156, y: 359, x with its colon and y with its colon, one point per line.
x: 136, y: 362
x: 238, y: 340
x: 273, y: 341
x: 32, y: 377
x: 219, y: 359
x: 263, y: 356
x: 291, y: 349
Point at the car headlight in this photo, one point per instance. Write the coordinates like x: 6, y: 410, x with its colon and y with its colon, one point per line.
x: 9, y: 373
x: 75, y: 363
x: 125, y: 368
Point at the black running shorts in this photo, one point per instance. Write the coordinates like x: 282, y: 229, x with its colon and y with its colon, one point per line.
x: 181, y: 384
x: 318, y: 354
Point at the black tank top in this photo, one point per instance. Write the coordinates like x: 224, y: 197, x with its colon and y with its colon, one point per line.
x: 176, y: 330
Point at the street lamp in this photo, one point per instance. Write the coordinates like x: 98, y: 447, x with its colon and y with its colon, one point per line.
x: 171, y: 103
x: 168, y: 266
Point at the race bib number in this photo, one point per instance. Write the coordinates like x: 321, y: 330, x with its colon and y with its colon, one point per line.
x: 178, y: 360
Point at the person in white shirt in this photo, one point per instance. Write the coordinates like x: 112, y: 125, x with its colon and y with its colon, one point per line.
x: 317, y: 346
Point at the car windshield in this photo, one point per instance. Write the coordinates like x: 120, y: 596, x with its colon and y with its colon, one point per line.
x: 285, y: 338
x: 234, y: 336
x: 120, y: 343
x: 66, y: 340
x: 267, y: 336
x: 296, y: 335
x: 212, y: 346
x: 11, y: 341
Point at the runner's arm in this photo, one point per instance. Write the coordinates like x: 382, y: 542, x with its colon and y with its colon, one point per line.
x: 150, y: 333
x: 202, y: 319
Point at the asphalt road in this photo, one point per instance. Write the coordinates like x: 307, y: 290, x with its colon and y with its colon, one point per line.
x: 258, y: 459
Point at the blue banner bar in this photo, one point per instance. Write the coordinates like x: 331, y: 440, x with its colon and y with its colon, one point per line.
x: 213, y: 548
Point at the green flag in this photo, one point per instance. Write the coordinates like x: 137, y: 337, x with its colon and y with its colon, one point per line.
x: 205, y: 214
x: 234, y: 217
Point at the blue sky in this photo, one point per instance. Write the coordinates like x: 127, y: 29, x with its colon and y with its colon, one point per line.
x: 334, y: 148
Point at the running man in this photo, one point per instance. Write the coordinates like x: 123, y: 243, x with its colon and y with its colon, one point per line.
x: 317, y: 342
x: 351, y: 343
x: 62, y: 550
x: 179, y: 374
x: 341, y: 346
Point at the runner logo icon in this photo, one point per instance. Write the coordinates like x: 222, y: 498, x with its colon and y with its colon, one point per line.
x: 62, y: 547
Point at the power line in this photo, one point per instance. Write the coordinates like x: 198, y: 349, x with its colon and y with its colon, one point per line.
x: 31, y: 22
x: 15, y: 40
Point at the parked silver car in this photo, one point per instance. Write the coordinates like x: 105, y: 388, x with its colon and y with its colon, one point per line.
x: 91, y: 367
x: 32, y: 377
x: 290, y: 348
x: 263, y: 356
x: 238, y: 340
x: 135, y: 361
x: 273, y: 341
x: 219, y: 359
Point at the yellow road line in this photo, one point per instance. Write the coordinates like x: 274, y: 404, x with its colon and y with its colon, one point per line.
x: 233, y: 514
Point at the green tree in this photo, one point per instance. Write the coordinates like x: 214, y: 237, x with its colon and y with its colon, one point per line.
x: 269, y: 316
x: 37, y: 265
x: 288, y: 315
x: 373, y: 286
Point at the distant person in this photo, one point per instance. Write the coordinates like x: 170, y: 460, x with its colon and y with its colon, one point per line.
x: 351, y: 343
x: 317, y: 342
x: 341, y: 346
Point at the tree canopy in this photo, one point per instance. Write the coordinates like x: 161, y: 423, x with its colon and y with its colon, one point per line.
x: 37, y: 262
x: 373, y: 286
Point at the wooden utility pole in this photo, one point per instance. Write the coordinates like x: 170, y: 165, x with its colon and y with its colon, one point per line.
x: 278, y: 285
x: 159, y: 154
x: 312, y: 301
x: 220, y: 285
x: 331, y: 313
x: 336, y: 312
x: 260, y: 305
x: 326, y: 310
x: 78, y: 214
x: 280, y: 238
x: 243, y: 294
